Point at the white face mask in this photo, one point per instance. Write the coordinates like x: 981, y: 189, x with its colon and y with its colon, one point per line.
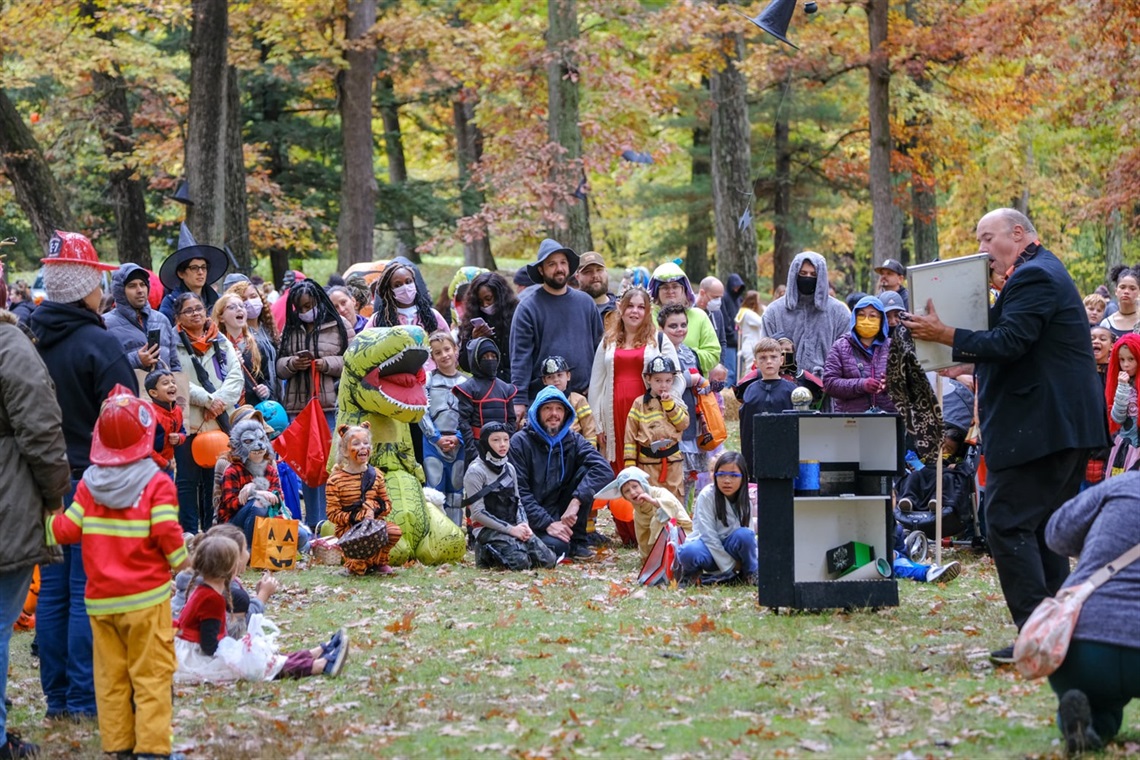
x: 307, y: 316
x: 488, y: 310
x: 405, y: 295
x: 253, y: 308
x: 714, y: 304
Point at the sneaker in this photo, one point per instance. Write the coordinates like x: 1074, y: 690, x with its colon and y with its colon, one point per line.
x: 917, y: 546
x: 333, y: 642
x: 597, y: 539
x: 13, y: 746
x: 580, y: 551
x: 932, y: 506
x: 751, y: 579
x: 906, y: 505
x: 1075, y: 717
x: 385, y: 570
x: 1003, y: 656
x: 944, y: 574
x: 337, y: 657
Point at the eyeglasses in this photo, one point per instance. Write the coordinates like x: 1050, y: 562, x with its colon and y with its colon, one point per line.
x: 234, y: 307
x: 729, y: 475
x: 197, y: 268
x: 193, y: 310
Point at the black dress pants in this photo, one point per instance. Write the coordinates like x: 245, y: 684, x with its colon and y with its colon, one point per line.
x: 1019, y: 502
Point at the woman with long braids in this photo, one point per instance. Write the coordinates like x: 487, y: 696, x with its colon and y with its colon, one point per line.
x: 721, y: 541
x: 314, y: 335
x: 403, y: 299
x: 490, y: 298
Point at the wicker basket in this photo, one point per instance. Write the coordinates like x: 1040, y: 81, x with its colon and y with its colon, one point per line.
x: 326, y: 553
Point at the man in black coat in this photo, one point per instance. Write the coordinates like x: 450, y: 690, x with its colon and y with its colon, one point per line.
x: 1040, y: 404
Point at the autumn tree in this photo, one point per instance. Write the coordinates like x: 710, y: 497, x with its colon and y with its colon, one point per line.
x: 568, y: 175
x: 206, y: 130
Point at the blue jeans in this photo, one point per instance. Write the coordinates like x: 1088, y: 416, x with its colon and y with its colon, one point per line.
x: 315, y: 497
x: 904, y: 568
x: 63, y: 631
x: 695, y: 557
x: 728, y: 359
x: 195, y: 487
x: 13, y: 592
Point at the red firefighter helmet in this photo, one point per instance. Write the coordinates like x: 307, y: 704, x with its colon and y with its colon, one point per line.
x: 73, y: 248
x: 124, y: 432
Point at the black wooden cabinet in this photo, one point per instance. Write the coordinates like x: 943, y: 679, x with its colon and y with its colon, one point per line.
x: 858, y: 456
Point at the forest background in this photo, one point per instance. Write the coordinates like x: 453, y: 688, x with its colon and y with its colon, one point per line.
x: 647, y: 130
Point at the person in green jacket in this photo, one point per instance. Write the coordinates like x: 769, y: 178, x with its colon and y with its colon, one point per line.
x: 670, y: 285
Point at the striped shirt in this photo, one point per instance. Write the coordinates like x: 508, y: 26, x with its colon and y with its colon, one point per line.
x: 128, y: 553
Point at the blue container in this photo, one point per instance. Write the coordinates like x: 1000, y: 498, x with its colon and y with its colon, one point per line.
x: 807, y: 483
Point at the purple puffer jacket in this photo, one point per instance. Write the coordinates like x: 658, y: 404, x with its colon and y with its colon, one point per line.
x: 846, y: 368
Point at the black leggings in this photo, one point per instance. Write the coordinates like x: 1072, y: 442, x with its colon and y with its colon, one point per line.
x: 1109, y: 675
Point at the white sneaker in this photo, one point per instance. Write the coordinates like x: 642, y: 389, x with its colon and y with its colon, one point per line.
x: 943, y: 573
x: 906, y: 505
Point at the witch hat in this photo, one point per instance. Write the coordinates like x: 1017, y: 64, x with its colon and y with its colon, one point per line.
x: 182, y: 194
x: 188, y: 248
x: 774, y: 19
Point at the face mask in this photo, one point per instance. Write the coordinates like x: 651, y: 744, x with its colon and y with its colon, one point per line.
x: 805, y: 285
x: 489, y: 367
x: 714, y: 304
x: 488, y: 310
x: 867, y: 327
x: 253, y: 308
x: 405, y: 295
x: 307, y: 316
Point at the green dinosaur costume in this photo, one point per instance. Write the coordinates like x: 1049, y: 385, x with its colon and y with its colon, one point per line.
x: 383, y: 384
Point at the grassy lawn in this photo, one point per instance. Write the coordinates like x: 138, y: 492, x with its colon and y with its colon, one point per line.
x: 454, y: 661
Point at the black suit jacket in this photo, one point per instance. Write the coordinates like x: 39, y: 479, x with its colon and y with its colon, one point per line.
x: 1038, y: 391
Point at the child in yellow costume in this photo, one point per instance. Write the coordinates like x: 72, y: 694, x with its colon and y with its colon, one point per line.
x: 653, y: 506
x: 654, y: 428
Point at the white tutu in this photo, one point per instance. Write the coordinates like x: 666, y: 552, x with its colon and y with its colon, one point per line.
x: 251, y: 658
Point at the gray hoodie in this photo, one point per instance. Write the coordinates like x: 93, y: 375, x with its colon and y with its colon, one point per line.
x: 130, y: 325
x: 812, y: 324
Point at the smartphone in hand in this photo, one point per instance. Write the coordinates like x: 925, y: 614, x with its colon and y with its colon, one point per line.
x: 153, y: 338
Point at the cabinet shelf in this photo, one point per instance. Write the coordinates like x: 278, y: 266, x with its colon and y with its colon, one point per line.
x: 858, y: 456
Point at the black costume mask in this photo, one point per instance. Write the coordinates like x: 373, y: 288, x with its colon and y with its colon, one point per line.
x: 806, y: 285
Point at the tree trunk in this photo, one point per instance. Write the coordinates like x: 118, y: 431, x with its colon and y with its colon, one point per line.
x: 1114, y: 242
x: 206, y: 132
x: 732, y: 166
x: 886, y: 218
x: 355, y: 230
x: 278, y: 265
x: 22, y: 162
x: 923, y: 201
x: 237, y: 212
x: 784, y: 247
x: 127, y: 189
x: 568, y: 172
x: 397, y: 167
x: 468, y: 153
x: 698, y: 226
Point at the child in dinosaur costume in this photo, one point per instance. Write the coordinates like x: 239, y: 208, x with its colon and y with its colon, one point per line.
x: 383, y: 385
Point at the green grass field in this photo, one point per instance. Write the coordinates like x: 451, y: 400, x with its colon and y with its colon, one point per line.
x: 458, y: 662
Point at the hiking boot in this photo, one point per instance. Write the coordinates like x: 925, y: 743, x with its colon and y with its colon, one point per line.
x: 14, y: 746
x: 917, y: 546
x: 336, y: 658
x: 1075, y: 717
x: 1003, y: 656
x: 906, y: 505
x: 580, y: 551
x: 944, y: 573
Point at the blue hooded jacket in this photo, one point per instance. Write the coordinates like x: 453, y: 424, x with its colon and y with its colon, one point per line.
x: 849, y: 364
x: 554, y: 469
x: 130, y: 326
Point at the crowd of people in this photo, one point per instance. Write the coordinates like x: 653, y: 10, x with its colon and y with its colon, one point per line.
x: 550, y: 394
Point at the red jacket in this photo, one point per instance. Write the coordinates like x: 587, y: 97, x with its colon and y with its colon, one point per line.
x: 128, y: 553
x: 170, y: 420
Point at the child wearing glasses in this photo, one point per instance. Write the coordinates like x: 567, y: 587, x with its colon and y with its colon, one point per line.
x: 721, y: 543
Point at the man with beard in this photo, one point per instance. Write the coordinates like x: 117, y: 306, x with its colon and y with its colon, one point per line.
x: 133, y: 322
x: 594, y: 281
x: 555, y: 320
x: 559, y: 473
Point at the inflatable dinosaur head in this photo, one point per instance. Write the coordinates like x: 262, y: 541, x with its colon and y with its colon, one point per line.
x: 384, y: 375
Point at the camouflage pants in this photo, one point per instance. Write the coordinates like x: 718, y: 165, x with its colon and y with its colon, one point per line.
x: 495, y: 549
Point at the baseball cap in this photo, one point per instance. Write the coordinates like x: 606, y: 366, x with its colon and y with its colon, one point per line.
x: 891, y: 301
x: 591, y: 259
x: 892, y: 265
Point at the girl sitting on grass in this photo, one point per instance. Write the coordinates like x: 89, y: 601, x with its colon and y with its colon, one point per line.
x: 204, y: 651
x: 721, y: 540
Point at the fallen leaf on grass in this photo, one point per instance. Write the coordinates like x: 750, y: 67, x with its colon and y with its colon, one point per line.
x: 403, y: 625
x: 812, y: 745
x: 617, y: 591
x: 701, y: 624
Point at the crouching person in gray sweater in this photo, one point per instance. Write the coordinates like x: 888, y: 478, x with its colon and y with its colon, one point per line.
x: 1101, y: 671
x: 503, y: 537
